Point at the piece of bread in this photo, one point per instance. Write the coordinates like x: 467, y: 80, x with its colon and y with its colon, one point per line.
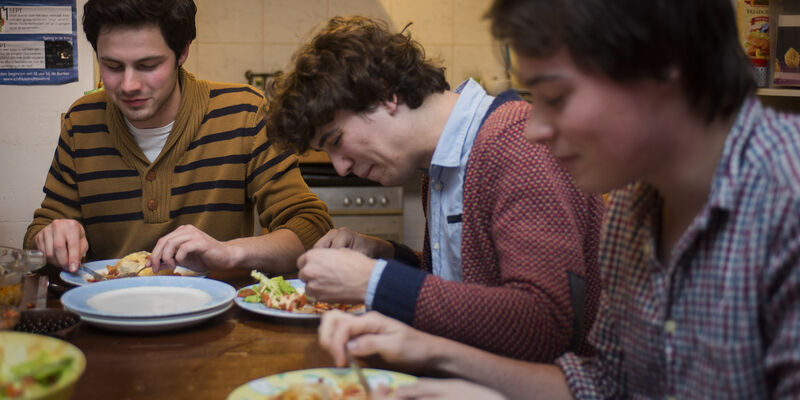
x: 134, y: 263
x: 131, y: 263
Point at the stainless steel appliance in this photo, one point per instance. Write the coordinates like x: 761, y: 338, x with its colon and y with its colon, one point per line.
x: 359, y: 204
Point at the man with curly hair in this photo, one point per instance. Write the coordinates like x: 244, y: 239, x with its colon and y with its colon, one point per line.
x: 509, y: 261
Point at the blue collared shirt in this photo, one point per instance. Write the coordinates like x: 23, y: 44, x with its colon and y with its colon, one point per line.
x: 446, y: 192
x: 447, y: 171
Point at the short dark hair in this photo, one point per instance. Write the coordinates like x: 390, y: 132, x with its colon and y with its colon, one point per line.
x: 353, y: 64
x: 175, y: 18
x: 629, y: 40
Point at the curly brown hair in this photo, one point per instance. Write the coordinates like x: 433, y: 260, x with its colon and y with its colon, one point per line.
x: 353, y: 64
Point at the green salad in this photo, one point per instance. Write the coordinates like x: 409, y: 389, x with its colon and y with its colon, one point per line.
x: 31, y: 377
x: 274, y: 287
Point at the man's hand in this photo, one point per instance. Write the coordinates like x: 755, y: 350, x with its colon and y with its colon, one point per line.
x: 191, y: 248
x: 437, y: 389
x: 335, y: 275
x: 64, y: 243
x: 375, y: 334
x: 446, y: 389
x: 347, y: 238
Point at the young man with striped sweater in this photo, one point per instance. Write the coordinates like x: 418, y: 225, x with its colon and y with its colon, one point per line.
x: 509, y: 263
x: 160, y: 160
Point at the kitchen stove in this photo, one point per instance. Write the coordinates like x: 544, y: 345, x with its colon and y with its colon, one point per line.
x: 359, y: 204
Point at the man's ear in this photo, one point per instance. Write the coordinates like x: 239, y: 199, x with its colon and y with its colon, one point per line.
x: 184, y: 54
x: 391, y: 104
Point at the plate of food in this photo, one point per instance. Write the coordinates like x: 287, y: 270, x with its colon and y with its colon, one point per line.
x: 129, y: 266
x: 38, y: 367
x: 319, y: 383
x: 285, y: 298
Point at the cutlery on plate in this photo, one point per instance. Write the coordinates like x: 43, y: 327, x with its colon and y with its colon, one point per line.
x: 357, y: 369
x: 96, y: 275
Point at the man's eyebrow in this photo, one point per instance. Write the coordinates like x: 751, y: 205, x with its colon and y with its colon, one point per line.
x: 141, y: 60
x: 537, y: 79
x: 324, y: 138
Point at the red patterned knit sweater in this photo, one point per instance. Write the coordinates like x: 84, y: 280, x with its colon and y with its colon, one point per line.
x: 529, y: 254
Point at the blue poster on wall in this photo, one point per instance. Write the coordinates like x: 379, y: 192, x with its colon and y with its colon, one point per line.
x: 38, y: 42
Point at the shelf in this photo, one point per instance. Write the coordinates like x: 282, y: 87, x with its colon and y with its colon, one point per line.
x: 779, y: 92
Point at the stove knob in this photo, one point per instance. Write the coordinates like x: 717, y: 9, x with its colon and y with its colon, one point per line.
x: 384, y: 201
x: 359, y: 201
x: 371, y: 201
x: 346, y: 202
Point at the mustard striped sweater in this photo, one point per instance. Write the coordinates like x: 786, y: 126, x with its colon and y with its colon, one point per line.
x: 216, y: 166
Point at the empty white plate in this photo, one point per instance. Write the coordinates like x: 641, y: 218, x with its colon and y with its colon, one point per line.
x: 148, y: 297
x: 155, y: 324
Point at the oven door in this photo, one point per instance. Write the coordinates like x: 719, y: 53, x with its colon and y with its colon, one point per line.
x: 371, y: 210
x: 356, y: 203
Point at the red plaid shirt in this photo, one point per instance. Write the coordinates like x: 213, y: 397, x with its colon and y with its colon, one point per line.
x: 722, y: 318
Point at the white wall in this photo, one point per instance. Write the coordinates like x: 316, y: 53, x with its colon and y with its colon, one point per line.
x: 29, y: 129
x: 261, y: 35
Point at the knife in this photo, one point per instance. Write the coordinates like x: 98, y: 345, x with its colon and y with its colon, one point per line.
x: 357, y: 369
x: 96, y: 275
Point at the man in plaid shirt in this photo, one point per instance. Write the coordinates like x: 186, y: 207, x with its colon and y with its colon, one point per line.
x: 700, y: 253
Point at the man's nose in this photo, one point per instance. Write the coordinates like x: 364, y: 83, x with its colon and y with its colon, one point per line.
x: 342, y: 165
x: 539, y: 130
x: 130, y: 81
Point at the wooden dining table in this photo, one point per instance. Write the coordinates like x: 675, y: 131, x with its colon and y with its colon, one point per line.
x: 204, y: 361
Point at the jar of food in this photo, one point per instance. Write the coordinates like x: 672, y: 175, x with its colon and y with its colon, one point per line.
x: 14, y: 264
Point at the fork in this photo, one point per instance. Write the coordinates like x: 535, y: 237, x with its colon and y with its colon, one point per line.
x: 357, y: 369
x: 96, y: 275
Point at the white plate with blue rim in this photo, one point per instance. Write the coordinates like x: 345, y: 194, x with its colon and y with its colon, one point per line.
x: 260, y: 308
x: 336, y: 378
x: 149, y: 298
x: 155, y: 324
x: 81, y: 278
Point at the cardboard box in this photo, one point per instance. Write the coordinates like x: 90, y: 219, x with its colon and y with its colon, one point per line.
x: 753, y: 23
x: 786, y: 70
